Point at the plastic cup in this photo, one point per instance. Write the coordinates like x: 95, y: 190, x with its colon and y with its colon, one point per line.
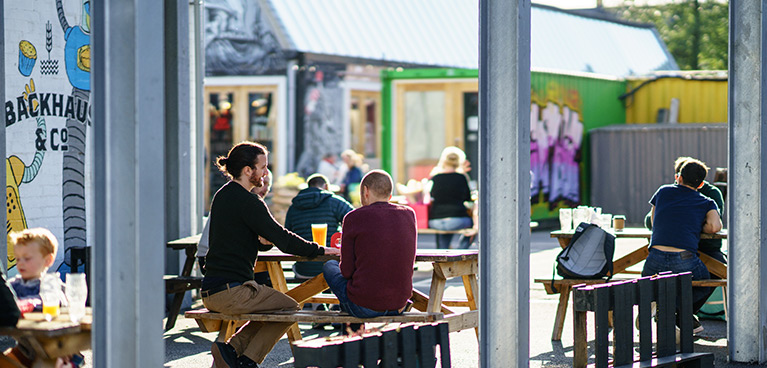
x: 566, y: 219
x: 319, y: 233
x: 50, y: 291
x: 77, y: 294
x: 605, y: 221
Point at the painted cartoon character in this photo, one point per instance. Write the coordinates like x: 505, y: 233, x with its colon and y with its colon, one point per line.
x: 17, y: 173
x: 78, y: 62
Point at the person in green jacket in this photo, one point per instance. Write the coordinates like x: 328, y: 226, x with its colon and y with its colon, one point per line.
x: 711, y: 247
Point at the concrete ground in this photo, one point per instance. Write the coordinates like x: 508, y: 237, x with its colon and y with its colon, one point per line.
x: 186, y: 346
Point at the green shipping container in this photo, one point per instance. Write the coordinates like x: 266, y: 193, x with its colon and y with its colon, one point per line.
x: 564, y: 108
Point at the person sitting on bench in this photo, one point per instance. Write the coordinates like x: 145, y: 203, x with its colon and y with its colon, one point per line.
x: 378, y: 243
x: 711, y: 247
x: 679, y: 214
x: 238, y: 219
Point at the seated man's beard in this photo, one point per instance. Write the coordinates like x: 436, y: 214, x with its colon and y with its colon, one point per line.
x: 256, y: 180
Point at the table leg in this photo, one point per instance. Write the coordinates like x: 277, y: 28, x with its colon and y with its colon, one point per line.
x: 471, y: 287
x: 436, y: 291
x: 559, y: 320
x: 279, y: 283
x: 639, y: 255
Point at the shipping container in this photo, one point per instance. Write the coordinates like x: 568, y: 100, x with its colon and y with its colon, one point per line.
x: 630, y: 162
x: 426, y: 110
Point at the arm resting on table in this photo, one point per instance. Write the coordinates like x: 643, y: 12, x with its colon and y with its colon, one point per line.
x: 713, y: 222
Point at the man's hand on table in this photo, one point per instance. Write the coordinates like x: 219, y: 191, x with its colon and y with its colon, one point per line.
x: 332, y: 251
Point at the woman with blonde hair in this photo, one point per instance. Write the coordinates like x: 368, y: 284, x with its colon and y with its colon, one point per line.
x: 353, y: 161
x: 449, y: 191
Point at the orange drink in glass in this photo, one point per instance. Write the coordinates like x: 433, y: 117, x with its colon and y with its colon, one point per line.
x: 319, y: 233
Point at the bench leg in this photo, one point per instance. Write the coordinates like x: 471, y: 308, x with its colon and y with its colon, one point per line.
x: 580, y: 354
x: 559, y: 320
x: 436, y: 291
x: 175, y: 309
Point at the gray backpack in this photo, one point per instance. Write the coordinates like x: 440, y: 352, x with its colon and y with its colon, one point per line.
x: 589, y: 254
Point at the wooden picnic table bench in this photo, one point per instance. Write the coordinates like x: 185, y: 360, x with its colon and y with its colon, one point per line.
x: 52, y: 339
x: 620, y: 265
x: 446, y: 263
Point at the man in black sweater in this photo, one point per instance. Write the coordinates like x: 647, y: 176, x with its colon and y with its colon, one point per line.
x: 238, y: 219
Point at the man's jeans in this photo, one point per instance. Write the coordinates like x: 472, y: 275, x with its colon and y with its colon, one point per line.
x: 659, y: 261
x: 450, y: 223
x: 337, y: 284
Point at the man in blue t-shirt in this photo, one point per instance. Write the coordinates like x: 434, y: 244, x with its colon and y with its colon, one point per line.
x: 679, y: 214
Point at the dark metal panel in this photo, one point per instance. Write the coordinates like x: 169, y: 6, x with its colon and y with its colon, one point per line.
x: 630, y: 162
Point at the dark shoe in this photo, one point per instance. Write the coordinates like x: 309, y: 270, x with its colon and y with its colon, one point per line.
x: 696, y: 326
x: 246, y: 362
x: 224, y: 355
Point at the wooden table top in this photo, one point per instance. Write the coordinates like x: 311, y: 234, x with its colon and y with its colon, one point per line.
x: 34, y: 324
x: 636, y: 232
x: 275, y: 255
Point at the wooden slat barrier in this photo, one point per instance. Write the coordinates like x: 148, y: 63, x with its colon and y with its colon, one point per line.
x: 408, y: 346
x: 563, y: 287
x: 620, y: 297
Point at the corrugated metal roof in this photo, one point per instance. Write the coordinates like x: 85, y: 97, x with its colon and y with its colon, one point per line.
x: 446, y: 33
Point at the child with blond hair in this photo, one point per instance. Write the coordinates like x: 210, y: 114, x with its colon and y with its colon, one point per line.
x: 35, y: 251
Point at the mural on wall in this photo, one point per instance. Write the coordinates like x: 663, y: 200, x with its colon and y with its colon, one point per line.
x: 46, y: 115
x: 238, y: 40
x: 556, y: 134
x: 322, y: 119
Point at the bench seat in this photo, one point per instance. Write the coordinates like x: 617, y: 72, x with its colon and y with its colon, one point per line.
x: 312, y: 316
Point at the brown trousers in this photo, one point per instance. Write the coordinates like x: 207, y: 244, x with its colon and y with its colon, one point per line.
x: 253, y: 339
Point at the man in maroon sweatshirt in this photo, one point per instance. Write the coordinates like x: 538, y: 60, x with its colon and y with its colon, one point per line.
x: 378, y: 243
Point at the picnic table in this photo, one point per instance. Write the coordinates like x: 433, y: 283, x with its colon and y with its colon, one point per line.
x: 52, y: 339
x: 446, y: 263
x: 635, y: 255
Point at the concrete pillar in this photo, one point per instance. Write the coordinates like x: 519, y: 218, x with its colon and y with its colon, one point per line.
x: 747, y: 208
x: 178, y: 129
x: 504, y: 182
x: 129, y: 183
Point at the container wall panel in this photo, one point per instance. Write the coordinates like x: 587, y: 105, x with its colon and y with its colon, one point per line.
x: 700, y: 101
x: 630, y: 162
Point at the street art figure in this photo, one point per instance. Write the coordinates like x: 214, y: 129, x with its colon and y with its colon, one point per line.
x: 555, y: 142
x: 17, y: 173
x: 238, y: 41
x: 322, y: 130
x: 77, y: 58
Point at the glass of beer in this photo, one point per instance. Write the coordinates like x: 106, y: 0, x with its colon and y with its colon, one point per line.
x: 319, y: 233
x: 50, y: 291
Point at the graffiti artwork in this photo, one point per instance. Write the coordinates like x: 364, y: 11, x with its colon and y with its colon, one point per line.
x: 556, y: 133
x: 322, y: 121
x: 46, y: 115
x: 238, y: 40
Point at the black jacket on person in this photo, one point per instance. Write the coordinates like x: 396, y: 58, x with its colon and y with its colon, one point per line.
x: 9, y: 312
x: 315, y: 206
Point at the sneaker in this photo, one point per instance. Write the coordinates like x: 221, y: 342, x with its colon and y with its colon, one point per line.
x: 224, y: 355
x: 696, y: 326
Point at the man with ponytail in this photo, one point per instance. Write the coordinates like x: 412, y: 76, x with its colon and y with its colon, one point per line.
x: 237, y: 219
